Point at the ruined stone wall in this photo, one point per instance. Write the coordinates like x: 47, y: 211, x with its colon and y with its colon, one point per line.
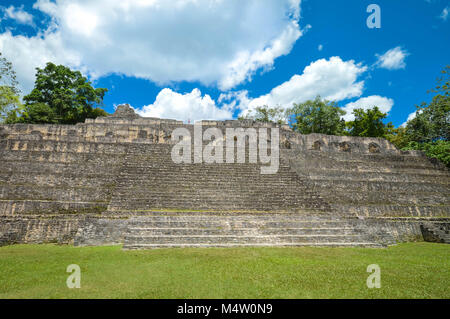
x: 38, y: 229
x: 58, y: 181
x: 369, y: 177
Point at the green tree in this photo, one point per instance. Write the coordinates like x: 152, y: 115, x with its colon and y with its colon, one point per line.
x: 266, y: 114
x: 369, y: 123
x: 317, y: 116
x: 97, y: 112
x: 429, y: 130
x: 68, y: 95
x: 9, y: 92
x: 439, y: 149
x: 432, y: 121
x: 40, y: 113
x: 398, y: 137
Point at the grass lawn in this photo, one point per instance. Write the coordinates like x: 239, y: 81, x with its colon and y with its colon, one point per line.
x: 413, y: 270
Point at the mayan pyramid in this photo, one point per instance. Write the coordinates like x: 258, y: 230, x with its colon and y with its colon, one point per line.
x: 112, y: 181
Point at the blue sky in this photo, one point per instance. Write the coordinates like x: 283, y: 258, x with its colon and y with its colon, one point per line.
x: 206, y: 59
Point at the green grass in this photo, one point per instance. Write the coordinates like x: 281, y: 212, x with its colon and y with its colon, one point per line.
x: 413, y: 270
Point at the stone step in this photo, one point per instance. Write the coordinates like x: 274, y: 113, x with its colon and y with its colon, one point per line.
x: 386, y: 198
x: 16, y: 206
x: 376, y: 186
x: 215, y: 230
x: 362, y: 159
x: 86, y: 194
x: 211, y: 188
x: 232, y: 217
x: 229, y: 197
x: 227, y: 200
x: 368, y: 157
x: 59, y: 180
x: 393, y: 210
x: 354, y: 175
x: 380, y: 170
x: 68, y: 168
x: 328, y: 164
x: 174, y: 193
x: 280, y: 244
x: 199, y: 184
x: 244, y: 206
x: 192, y: 169
x: 198, y: 178
x: 217, y: 222
x: 139, y: 231
x: 218, y: 170
x: 247, y: 239
x: 215, y: 189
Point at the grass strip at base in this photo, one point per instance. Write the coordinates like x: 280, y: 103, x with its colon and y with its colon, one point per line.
x: 411, y: 270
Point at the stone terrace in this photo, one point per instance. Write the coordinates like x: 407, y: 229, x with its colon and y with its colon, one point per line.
x: 112, y: 181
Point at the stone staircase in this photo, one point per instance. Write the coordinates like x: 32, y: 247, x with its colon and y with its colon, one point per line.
x: 164, y: 230
x: 151, y: 181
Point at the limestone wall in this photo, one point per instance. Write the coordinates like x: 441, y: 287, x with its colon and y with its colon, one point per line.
x: 122, y: 164
x: 39, y: 229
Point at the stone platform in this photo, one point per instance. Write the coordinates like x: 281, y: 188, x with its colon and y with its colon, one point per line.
x: 112, y: 181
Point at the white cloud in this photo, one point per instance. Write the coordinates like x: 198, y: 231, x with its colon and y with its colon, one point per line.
x: 383, y: 103
x: 27, y: 53
x: 246, y: 63
x: 332, y: 79
x: 410, y: 117
x: 18, y: 14
x: 393, y: 59
x: 444, y: 14
x: 187, y: 107
x: 218, y: 42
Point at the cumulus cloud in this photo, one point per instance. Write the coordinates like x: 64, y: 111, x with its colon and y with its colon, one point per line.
x: 393, y: 59
x: 220, y: 43
x: 410, y: 117
x: 444, y: 14
x: 383, y: 103
x: 332, y: 79
x: 246, y: 63
x: 28, y: 53
x: 18, y: 14
x: 191, y: 106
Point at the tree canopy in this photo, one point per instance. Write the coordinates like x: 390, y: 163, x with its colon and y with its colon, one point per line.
x: 429, y: 130
x: 266, y: 114
x: 9, y: 91
x: 369, y: 123
x: 432, y: 121
x: 317, y: 116
x: 61, y: 95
